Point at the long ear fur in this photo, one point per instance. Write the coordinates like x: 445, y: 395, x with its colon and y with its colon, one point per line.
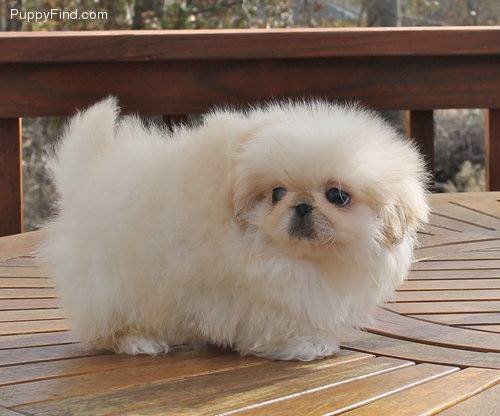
x: 404, y: 215
x: 246, y: 189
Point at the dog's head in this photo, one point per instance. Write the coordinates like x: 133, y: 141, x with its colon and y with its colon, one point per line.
x: 316, y: 177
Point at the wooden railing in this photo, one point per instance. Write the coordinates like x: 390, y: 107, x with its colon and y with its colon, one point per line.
x: 173, y: 73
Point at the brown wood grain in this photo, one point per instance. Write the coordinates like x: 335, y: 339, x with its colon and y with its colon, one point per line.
x: 463, y: 213
x: 462, y: 265
x: 6, y: 412
x: 418, y: 352
x: 149, y: 370
x: 11, y: 214
x: 37, y: 340
x: 403, y: 327
x: 27, y: 293
x: 455, y: 319
x: 485, y: 403
x: 14, y: 304
x: 447, y: 295
x: 337, y: 399
x: 492, y: 148
x: 14, y: 356
x: 34, y: 90
x: 450, y: 284
x: 216, y: 393
x: 62, y: 368
x: 454, y: 274
x: 415, y: 308
x: 159, y: 45
x: 33, y: 327
x: 434, y: 396
x: 24, y: 244
x: 33, y: 272
x: 25, y: 282
x: 30, y: 315
x: 486, y: 328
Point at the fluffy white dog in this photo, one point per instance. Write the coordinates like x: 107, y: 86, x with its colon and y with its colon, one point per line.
x: 264, y: 231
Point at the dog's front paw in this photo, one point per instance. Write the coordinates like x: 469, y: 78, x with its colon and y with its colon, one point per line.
x: 303, y: 349
x: 134, y: 344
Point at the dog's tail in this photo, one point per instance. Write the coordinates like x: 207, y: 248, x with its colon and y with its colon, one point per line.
x: 86, y: 139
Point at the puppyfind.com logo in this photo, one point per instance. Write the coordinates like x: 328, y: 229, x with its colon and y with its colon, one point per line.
x: 42, y: 16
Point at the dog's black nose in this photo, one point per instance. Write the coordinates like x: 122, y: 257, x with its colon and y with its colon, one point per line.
x: 303, y: 209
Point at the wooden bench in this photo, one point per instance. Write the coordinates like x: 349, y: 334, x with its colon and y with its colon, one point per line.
x: 434, y: 349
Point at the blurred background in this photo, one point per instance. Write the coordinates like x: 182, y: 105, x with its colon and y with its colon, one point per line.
x: 459, y: 134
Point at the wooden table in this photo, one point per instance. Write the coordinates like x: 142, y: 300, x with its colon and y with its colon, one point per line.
x: 435, y: 349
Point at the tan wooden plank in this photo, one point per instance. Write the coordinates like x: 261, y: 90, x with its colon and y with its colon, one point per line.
x: 403, y: 327
x: 418, y: 352
x: 437, y: 229
x: 21, y: 261
x: 450, y: 284
x: 456, y: 265
x: 37, y: 340
x: 486, y: 206
x: 14, y: 304
x: 485, y: 403
x: 34, y: 272
x: 33, y: 327
x: 462, y: 318
x: 472, y: 256
x: 463, y: 197
x: 487, y: 328
x: 25, y: 282
x: 168, y: 368
x: 63, y: 368
x: 31, y: 315
x: 336, y: 399
x: 7, y: 412
x: 467, y: 216
x: 447, y: 295
x: 434, y: 396
x: 25, y: 293
x: 412, y: 308
x: 458, y: 243
x: 216, y: 393
x: 20, y: 244
x: 448, y: 224
x: 51, y: 352
x: 453, y: 274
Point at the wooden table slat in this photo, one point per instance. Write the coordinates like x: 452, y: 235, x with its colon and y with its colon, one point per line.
x: 433, y: 396
x: 445, y: 318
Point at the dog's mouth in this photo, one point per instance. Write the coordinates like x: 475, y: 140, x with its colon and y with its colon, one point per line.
x: 302, y: 228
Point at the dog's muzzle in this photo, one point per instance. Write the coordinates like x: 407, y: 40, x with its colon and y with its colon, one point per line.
x: 302, y: 223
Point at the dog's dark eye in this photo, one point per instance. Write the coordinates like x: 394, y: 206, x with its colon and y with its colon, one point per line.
x: 278, y: 193
x: 338, y: 197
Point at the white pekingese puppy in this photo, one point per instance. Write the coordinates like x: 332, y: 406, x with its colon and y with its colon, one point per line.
x: 265, y: 231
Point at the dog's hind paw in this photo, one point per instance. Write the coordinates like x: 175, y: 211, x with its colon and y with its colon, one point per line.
x: 306, y: 348
x: 134, y: 344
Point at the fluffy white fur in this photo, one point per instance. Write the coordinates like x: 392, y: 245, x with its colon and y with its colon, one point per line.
x: 168, y: 238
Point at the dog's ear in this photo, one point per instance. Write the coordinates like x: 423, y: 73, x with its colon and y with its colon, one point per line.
x: 403, y: 215
x: 246, y: 184
x: 243, y: 200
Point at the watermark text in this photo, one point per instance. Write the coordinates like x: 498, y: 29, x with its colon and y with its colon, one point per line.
x: 42, y: 16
